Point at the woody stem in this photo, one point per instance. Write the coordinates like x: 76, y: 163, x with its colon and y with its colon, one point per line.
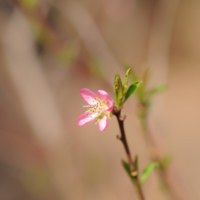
x: 122, y: 138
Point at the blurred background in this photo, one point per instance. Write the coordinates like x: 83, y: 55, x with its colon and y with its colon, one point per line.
x: 49, y: 50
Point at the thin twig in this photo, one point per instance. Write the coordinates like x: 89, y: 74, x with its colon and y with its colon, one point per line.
x: 122, y: 137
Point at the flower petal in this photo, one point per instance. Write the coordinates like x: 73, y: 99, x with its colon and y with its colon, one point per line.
x: 111, y: 104
x: 103, y: 95
x: 103, y: 123
x: 88, y: 96
x: 86, y: 118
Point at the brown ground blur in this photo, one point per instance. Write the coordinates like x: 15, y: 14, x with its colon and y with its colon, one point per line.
x: 51, y: 49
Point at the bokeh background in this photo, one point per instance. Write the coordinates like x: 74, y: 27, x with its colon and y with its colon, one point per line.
x: 49, y: 50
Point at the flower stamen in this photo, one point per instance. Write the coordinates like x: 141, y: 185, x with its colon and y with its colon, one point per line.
x: 100, y: 107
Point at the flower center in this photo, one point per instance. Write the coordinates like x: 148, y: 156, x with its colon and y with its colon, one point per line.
x: 100, y: 107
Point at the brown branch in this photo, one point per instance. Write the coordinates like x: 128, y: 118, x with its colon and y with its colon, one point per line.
x: 122, y: 137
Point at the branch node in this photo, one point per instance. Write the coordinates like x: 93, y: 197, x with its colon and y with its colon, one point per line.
x: 134, y: 173
x: 119, y: 137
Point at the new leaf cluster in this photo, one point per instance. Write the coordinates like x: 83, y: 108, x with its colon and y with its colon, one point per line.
x: 122, y: 91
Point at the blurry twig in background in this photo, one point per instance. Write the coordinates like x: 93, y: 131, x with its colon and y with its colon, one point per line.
x: 37, y: 99
x: 86, y: 28
x: 93, y: 40
x: 159, y: 43
x: 169, y: 177
x: 45, y: 33
x: 52, y: 36
x: 158, y: 58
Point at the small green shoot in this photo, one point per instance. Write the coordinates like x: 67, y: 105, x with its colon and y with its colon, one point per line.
x: 147, y: 171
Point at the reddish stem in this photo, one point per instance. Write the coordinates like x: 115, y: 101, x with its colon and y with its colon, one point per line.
x: 122, y: 137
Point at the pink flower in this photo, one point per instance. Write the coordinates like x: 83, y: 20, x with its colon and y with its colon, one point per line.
x: 99, y: 108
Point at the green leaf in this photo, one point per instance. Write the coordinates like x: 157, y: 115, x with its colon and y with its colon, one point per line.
x: 128, y: 170
x: 116, y: 80
x: 125, y: 83
x: 118, y: 89
x: 147, y: 171
x: 131, y: 90
x: 136, y: 163
x: 132, y: 73
x: 157, y: 89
